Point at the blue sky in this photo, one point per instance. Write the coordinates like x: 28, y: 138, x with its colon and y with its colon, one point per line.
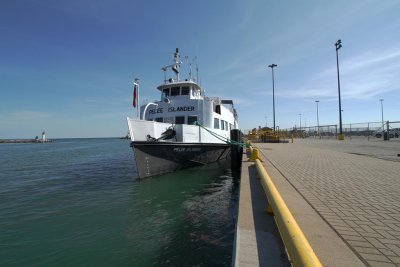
x: 67, y: 67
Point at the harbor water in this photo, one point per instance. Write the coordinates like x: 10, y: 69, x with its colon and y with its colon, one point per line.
x: 76, y: 202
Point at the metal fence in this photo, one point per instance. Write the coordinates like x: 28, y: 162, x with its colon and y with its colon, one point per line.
x: 388, y: 130
x: 371, y: 130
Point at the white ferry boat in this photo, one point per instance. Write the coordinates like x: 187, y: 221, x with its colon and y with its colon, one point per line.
x: 182, y: 130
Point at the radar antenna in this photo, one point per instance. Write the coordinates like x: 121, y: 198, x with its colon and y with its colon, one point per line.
x: 174, y: 67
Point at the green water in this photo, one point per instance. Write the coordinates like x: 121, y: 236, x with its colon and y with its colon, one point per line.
x: 78, y: 203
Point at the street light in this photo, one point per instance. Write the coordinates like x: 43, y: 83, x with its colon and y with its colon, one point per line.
x: 272, y: 66
x: 338, y: 45
x: 383, y: 127
x: 266, y: 121
x: 317, y: 101
x: 300, y: 120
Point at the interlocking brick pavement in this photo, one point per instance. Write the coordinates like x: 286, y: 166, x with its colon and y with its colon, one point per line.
x: 358, y: 194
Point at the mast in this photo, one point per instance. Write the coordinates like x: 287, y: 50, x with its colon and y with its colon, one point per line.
x: 176, y: 66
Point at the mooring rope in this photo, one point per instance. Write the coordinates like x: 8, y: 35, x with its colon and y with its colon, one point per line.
x: 222, y: 138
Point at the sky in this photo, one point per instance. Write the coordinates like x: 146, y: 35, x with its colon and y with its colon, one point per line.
x: 67, y: 67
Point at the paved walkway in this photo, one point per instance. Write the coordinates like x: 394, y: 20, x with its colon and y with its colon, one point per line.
x: 353, y: 185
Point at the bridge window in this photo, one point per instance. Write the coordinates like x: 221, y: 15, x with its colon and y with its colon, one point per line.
x: 175, y: 91
x: 192, y: 119
x: 195, y: 92
x: 179, y: 120
x: 159, y: 119
x: 226, y: 126
x: 165, y: 92
x: 222, y: 125
x: 216, y: 123
x: 185, y: 90
x: 169, y: 120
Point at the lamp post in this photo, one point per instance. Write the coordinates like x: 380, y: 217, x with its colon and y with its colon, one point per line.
x: 383, y: 126
x: 272, y: 66
x: 338, y: 45
x: 300, y: 120
x: 317, y: 101
x: 266, y: 121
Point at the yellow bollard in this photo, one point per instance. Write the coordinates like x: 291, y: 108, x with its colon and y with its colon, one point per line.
x: 248, y: 150
x: 255, y: 155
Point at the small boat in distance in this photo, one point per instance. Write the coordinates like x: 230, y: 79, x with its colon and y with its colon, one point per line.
x: 182, y: 130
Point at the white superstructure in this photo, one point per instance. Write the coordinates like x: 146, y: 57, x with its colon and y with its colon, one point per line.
x: 195, y: 118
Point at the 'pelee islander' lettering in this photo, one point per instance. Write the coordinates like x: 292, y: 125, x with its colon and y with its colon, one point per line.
x: 176, y: 109
x: 155, y: 111
x: 171, y: 109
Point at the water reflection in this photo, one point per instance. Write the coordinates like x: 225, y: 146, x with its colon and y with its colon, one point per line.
x: 185, y: 218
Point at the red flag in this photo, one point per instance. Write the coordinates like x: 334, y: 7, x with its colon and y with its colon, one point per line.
x: 134, y: 95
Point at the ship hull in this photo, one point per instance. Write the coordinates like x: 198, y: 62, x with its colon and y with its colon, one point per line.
x: 156, y: 158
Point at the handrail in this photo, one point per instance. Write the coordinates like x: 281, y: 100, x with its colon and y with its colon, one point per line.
x: 297, y: 245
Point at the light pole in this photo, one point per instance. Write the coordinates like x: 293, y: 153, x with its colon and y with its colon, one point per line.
x: 338, y: 45
x: 383, y: 127
x: 317, y: 101
x: 300, y: 120
x: 272, y: 66
x: 266, y: 121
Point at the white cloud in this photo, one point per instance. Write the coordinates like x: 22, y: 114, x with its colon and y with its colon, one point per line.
x: 363, y: 76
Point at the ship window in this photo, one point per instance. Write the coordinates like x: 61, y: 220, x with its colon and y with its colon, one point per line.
x: 185, y: 90
x: 195, y: 92
x: 192, y: 119
x: 226, y: 126
x: 218, y: 109
x: 169, y: 120
x: 175, y: 91
x: 222, y: 125
x: 159, y: 119
x: 216, y: 123
x: 179, y: 120
x: 165, y: 92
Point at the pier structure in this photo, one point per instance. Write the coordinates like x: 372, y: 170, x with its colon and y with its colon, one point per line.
x: 344, y: 196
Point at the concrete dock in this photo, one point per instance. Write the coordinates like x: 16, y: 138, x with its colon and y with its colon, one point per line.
x: 345, y: 196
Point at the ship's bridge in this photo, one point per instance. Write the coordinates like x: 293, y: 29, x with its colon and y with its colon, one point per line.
x: 181, y: 89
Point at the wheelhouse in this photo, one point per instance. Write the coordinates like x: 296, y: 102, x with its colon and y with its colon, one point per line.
x: 188, y: 90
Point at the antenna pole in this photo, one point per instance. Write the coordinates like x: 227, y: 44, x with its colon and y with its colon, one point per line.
x: 190, y: 67
x: 197, y: 73
x: 165, y: 74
